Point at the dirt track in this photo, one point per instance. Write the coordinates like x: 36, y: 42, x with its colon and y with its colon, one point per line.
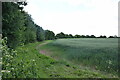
x: 45, y: 52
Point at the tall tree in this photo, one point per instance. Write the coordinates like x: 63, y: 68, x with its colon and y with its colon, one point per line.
x: 13, y: 23
x: 60, y: 35
x: 30, y: 29
x: 40, y: 33
x: 49, y: 35
x: 77, y: 36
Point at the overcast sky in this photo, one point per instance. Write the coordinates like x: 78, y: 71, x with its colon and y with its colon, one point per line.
x: 84, y: 17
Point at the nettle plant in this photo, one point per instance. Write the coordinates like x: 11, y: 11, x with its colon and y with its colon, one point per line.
x: 7, y: 59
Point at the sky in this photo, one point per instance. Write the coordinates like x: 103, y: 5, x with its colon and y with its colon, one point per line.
x: 83, y: 17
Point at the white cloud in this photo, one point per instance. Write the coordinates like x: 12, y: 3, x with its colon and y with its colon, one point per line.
x: 101, y: 19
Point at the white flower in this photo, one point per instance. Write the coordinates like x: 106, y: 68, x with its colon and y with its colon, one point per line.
x: 8, y: 71
x: 7, y: 64
x: 33, y: 60
x: 15, y: 51
x: 11, y: 56
x: 5, y: 71
x: 110, y: 62
x: 7, y: 55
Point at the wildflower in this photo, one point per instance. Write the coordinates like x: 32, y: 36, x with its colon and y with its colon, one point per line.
x: 33, y: 60
x: 7, y: 64
x: 110, y: 62
x: 35, y: 63
x: 14, y: 51
x: 5, y: 71
x: 11, y: 56
x: 7, y: 55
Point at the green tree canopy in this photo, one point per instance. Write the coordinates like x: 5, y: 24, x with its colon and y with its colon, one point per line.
x: 13, y: 23
x: 40, y: 33
x: 49, y: 35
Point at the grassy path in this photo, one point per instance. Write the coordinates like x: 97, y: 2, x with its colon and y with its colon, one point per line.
x: 45, y: 52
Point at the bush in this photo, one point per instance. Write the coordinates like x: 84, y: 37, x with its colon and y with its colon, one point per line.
x: 7, y: 59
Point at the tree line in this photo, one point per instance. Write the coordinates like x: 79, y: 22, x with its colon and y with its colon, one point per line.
x: 63, y: 35
x: 20, y: 29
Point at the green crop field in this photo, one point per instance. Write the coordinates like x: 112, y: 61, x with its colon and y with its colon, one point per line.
x: 99, y: 54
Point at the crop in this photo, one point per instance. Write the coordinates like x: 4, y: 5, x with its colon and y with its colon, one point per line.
x: 99, y: 54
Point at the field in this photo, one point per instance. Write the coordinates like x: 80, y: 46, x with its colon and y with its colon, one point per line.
x: 95, y: 53
x: 62, y: 58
